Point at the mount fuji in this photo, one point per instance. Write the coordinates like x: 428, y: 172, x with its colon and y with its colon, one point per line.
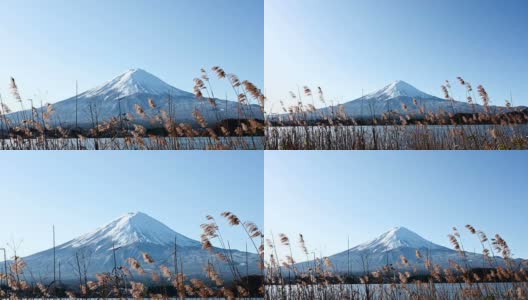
x: 403, y: 99
x: 388, y: 248
x: 119, y: 97
x: 132, y: 235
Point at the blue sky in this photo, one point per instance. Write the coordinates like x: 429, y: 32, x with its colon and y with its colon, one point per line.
x: 346, y: 46
x: 81, y: 191
x: 48, y: 45
x: 328, y: 196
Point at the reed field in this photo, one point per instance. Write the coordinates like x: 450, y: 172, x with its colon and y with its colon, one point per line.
x: 285, y: 280
x: 134, y: 278
x: 303, y: 127
x: 38, y: 130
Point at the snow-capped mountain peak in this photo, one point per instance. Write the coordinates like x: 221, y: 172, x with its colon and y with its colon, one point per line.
x: 389, y: 248
x: 131, y: 82
x: 136, y: 227
x: 398, y: 88
x: 128, y: 91
x: 396, y: 237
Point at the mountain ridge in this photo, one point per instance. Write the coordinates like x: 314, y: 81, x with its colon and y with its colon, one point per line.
x: 402, y: 99
x: 129, y: 236
x: 120, y: 98
x: 389, y: 248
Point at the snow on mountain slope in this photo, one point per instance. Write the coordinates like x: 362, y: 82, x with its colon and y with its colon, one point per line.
x: 131, y: 235
x: 120, y: 97
x: 133, y: 81
x: 395, y: 238
x: 129, y: 229
x: 397, y: 88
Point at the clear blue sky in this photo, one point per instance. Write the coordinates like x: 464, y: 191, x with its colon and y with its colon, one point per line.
x: 328, y: 196
x: 346, y: 46
x: 81, y: 191
x: 47, y: 45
